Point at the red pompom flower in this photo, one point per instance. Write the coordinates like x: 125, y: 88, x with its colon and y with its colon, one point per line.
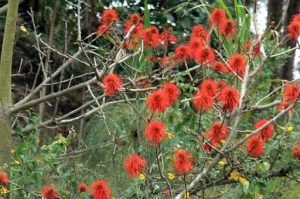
x: 219, y: 67
x: 155, y: 132
x: 151, y: 37
x: 134, y: 19
x: 205, y: 55
x: 255, y: 146
x: 229, y: 97
x: 49, y: 192
x: 100, y: 190
x: 209, y: 87
x: 112, y: 84
x: 217, y: 17
x: 202, y: 102
x: 3, y: 179
x: 296, y: 151
x: 237, y: 63
x: 217, y: 133
x: 267, y: 132
x: 291, y: 93
x: 82, y: 187
x: 157, y: 101
x: 182, y: 53
x: 228, y: 28
x: 172, y: 92
x: 134, y: 165
x: 294, y: 30
x: 200, y: 32
x: 109, y: 16
x: 167, y: 37
x: 182, y: 162
x: 195, y: 44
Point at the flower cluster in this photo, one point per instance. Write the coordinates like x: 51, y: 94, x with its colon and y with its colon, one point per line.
x: 211, y: 91
x: 160, y: 100
x: 99, y: 190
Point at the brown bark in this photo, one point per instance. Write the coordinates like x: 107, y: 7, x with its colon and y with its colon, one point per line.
x: 275, y: 8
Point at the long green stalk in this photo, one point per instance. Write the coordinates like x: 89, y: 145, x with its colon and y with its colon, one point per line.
x: 5, y: 83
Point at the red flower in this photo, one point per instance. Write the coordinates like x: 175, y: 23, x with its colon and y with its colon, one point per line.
x: 100, y: 190
x: 166, y: 192
x: 219, y: 67
x: 151, y: 37
x: 207, y: 147
x: 134, y: 19
x: 155, y: 132
x: 109, y: 16
x: 229, y: 97
x: 3, y: 179
x: 82, y: 187
x: 205, y: 55
x: 172, y: 92
x: 182, y: 53
x: 195, y: 44
x: 134, y: 165
x: 217, y: 17
x: 217, y: 133
x: 202, y: 102
x: 291, y: 93
x: 200, y: 32
x: 237, y: 63
x: 49, y: 192
x: 157, y: 101
x: 255, y: 50
x: 112, y: 84
x: 168, y: 61
x: 209, y: 87
x: 167, y: 37
x: 283, y: 105
x: 103, y: 30
x: 294, y: 30
x: 228, y: 28
x: 267, y: 132
x: 296, y: 17
x: 183, y: 162
x: 255, y: 146
x: 296, y: 151
x: 221, y: 84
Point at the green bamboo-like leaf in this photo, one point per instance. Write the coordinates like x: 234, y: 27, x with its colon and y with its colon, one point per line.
x: 223, y: 6
x: 146, y: 15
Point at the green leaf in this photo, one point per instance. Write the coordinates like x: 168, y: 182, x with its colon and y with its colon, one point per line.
x: 146, y: 15
x: 223, y: 6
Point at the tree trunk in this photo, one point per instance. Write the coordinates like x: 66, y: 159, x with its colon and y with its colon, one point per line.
x: 275, y: 8
x: 5, y: 83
